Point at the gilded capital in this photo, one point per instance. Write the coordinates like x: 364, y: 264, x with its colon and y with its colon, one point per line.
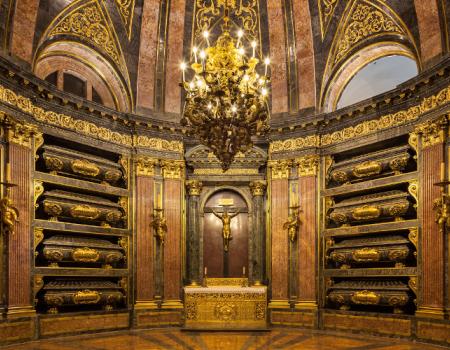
x: 172, y: 169
x: 280, y: 168
x: 194, y: 187
x: 17, y: 132
x: 307, y: 165
x: 433, y: 132
x: 145, y: 166
x: 257, y: 188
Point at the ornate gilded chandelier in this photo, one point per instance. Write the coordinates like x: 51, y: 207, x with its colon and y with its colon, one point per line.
x: 227, y: 97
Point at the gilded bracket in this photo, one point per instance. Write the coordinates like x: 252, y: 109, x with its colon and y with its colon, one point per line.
x: 38, y: 283
x: 413, y: 189
x: 414, y: 285
x: 38, y: 237
x: 413, y: 236
x: 38, y: 190
x: 38, y: 142
x: 9, y: 215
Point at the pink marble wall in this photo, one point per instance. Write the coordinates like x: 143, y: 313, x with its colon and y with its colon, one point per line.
x: 277, y: 39
x: 147, y: 55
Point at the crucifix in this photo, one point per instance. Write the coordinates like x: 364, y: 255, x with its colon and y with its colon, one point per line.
x: 226, y: 228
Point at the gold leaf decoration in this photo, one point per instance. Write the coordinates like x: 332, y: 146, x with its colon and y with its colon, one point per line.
x: 365, y: 19
x: 84, y: 127
x: 126, y: 10
x: 86, y: 20
x: 244, y: 14
x: 368, y: 127
x: 326, y: 11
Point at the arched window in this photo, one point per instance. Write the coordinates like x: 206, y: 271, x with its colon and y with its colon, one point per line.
x: 377, y: 77
x: 375, y: 69
x: 80, y: 70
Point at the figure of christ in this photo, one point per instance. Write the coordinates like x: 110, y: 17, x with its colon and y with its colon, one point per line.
x: 226, y: 229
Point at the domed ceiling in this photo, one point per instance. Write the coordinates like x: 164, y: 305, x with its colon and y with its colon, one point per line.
x: 128, y: 52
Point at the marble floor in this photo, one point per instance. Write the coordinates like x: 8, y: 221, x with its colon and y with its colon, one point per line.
x: 177, y: 340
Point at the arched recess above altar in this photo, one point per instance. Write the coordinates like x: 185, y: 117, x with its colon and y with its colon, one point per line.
x: 205, y: 178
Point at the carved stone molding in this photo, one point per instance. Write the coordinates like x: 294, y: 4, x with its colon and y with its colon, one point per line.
x: 433, y: 132
x: 145, y: 166
x: 194, y: 187
x: 307, y: 165
x: 280, y: 168
x: 258, y: 188
x: 172, y: 169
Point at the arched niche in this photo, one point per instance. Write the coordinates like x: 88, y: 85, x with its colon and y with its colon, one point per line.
x: 221, y: 263
x: 87, y: 64
x: 350, y: 68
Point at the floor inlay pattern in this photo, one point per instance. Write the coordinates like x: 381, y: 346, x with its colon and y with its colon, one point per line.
x: 178, y: 340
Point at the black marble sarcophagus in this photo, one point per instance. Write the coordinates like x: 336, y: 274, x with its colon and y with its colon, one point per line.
x: 65, y: 292
x: 373, y: 207
x: 71, y: 163
x: 371, y: 165
x: 82, y: 208
x: 389, y: 293
x: 362, y: 251
x: 81, y: 250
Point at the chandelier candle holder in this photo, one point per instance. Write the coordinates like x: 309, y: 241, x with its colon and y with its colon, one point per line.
x: 227, y: 98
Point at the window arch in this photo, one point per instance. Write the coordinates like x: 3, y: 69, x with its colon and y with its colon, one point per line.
x: 356, y: 63
x: 381, y: 75
x: 66, y: 59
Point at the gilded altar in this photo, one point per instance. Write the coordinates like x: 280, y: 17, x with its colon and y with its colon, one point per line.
x: 226, y: 306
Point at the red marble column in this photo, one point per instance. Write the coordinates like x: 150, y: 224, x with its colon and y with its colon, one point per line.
x: 24, y: 28
x: 431, y: 302
x: 145, y: 281
x: 279, y: 245
x: 307, y: 242
x: 19, y: 297
x: 147, y: 55
x: 172, y: 173
x: 174, y: 56
x: 429, y: 29
x: 278, y: 56
x: 305, y: 54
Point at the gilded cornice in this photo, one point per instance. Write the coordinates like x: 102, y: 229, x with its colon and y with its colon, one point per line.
x: 84, y: 127
x: 365, y: 128
x: 294, y: 144
x: 172, y: 169
x: 280, y: 168
x: 126, y: 10
x: 194, y: 187
x: 307, y: 165
x: 145, y: 166
x: 17, y: 132
x: 219, y: 171
x: 258, y: 187
x: 433, y: 132
x: 158, y: 144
